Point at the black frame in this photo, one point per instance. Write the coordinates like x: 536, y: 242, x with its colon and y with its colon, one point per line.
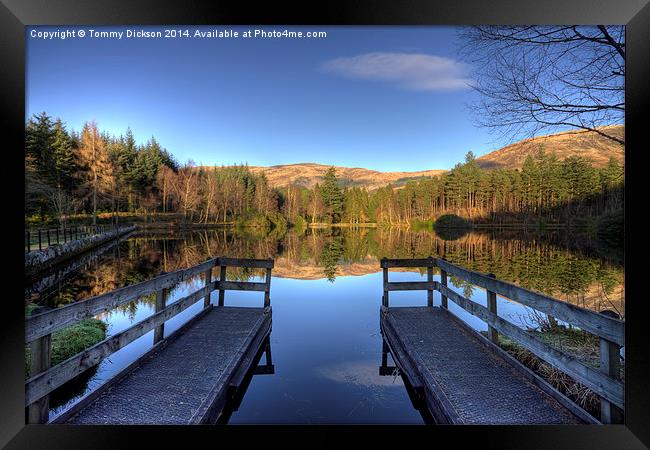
x: 16, y: 14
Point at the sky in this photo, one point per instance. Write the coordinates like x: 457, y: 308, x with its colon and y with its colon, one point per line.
x: 383, y: 98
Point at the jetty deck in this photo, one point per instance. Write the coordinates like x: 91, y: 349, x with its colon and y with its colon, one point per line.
x: 187, y: 377
x: 189, y: 380
x: 463, y: 377
x: 462, y: 380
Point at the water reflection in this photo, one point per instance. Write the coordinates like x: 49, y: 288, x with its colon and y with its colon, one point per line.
x: 555, y: 263
x: 325, y: 294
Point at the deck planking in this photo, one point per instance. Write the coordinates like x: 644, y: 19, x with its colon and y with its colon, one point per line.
x: 461, y: 379
x: 189, y: 379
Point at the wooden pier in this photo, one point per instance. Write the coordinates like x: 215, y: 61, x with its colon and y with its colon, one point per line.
x: 462, y: 377
x: 187, y: 377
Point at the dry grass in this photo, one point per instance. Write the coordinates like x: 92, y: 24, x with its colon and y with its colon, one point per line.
x: 588, y: 144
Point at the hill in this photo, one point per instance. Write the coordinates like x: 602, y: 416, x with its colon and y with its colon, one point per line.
x: 581, y: 143
x: 308, y: 174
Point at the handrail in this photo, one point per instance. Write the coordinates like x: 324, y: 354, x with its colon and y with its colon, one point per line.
x: 603, y: 326
x: 604, y: 382
x: 40, y: 238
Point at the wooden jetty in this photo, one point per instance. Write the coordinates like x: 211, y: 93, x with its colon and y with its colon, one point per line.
x: 463, y: 377
x: 187, y: 377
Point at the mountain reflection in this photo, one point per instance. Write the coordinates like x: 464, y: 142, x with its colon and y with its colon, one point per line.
x: 572, y: 268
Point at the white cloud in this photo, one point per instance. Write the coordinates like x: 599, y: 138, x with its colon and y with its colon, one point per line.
x: 413, y: 71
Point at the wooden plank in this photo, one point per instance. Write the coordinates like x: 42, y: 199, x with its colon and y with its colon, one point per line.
x: 222, y: 279
x: 384, y: 299
x: 241, y: 286
x: 493, y: 335
x: 411, y: 285
x: 430, y: 290
x: 208, y: 279
x: 40, y: 352
x: 603, y: 326
x: 242, y: 262
x: 45, y: 382
x: 56, y: 319
x: 595, y: 380
x: 161, y: 301
x: 267, y: 288
x: 407, y: 262
x: 610, y: 364
x: 443, y: 281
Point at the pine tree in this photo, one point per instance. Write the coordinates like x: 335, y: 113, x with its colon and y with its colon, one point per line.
x: 332, y: 195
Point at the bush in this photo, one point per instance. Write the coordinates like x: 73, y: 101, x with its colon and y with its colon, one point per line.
x: 451, y: 221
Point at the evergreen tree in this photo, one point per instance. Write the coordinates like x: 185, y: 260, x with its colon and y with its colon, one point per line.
x: 332, y: 195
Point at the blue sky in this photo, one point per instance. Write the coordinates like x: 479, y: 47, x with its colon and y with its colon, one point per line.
x: 385, y: 98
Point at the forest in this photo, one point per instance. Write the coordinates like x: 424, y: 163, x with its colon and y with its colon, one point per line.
x: 70, y: 173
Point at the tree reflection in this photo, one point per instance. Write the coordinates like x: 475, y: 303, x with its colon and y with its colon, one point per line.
x: 557, y: 264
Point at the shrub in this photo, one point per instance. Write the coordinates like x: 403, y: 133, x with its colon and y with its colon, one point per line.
x: 451, y: 221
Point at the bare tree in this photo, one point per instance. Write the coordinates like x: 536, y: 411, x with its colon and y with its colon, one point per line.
x: 535, y: 78
x: 63, y: 204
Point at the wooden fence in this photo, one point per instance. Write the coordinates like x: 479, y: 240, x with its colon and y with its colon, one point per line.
x: 38, y: 239
x: 39, y: 328
x: 603, y: 381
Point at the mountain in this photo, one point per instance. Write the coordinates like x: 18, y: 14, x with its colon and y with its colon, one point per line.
x: 581, y: 143
x: 308, y: 174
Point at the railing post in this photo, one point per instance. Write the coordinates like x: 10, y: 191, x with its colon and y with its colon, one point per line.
x: 385, y: 297
x: 208, y: 280
x: 493, y: 335
x: 48, y: 237
x: 267, y: 288
x: 38, y: 412
x: 222, y: 291
x: 610, y: 364
x: 430, y: 280
x: 267, y: 352
x: 64, y: 237
x: 57, y: 236
x: 443, y: 281
x: 29, y: 243
x: 40, y: 243
x: 161, y: 300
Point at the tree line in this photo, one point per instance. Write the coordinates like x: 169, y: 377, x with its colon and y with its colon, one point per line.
x: 70, y: 172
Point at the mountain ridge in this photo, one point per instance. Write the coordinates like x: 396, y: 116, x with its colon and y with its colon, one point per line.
x: 589, y: 144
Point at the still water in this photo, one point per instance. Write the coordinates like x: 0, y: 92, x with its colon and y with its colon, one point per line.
x: 325, y: 293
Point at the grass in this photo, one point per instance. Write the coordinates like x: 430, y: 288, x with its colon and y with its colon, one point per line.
x: 580, y: 344
x: 70, y: 340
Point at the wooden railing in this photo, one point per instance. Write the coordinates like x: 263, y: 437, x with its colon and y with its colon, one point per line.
x: 38, y: 239
x: 603, y: 381
x: 39, y: 328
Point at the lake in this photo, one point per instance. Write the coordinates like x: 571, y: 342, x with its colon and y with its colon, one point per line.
x: 326, y: 293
